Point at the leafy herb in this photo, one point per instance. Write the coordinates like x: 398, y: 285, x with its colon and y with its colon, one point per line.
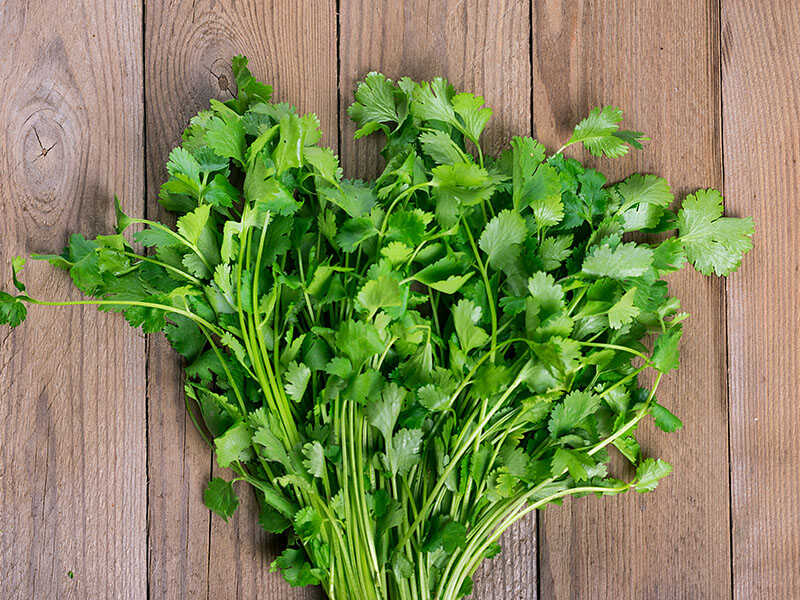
x: 403, y: 368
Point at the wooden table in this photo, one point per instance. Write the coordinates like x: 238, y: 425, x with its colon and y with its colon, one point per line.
x: 101, y: 472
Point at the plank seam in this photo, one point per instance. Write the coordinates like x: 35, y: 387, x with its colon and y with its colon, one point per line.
x: 147, y: 346
x: 721, y: 136
x: 537, y: 528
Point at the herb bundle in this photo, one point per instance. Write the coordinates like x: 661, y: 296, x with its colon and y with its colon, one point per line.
x: 403, y: 368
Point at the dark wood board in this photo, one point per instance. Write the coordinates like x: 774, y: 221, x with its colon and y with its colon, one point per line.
x: 72, y: 422
x: 761, y: 103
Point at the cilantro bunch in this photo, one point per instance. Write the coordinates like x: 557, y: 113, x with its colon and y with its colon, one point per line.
x: 402, y: 368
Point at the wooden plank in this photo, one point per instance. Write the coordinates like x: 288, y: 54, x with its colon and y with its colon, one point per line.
x: 660, y: 62
x: 72, y: 417
x: 188, y: 47
x: 761, y: 95
x: 479, y: 47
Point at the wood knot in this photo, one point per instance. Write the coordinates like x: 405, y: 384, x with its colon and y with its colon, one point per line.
x: 220, y: 70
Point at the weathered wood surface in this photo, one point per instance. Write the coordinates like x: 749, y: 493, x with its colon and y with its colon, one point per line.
x: 101, y: 472
x: 761, y: 93
x: 73, y: 490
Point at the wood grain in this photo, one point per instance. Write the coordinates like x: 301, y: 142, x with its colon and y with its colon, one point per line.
x: 72, y: 434
x: 660, y: 62
x: 188, y: 47
x: 479, y: 47
x: 761, y: 102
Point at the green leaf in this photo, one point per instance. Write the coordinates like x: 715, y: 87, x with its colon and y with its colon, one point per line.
x: 526, y: 156
x: 626, y: 260
x: 191, y: 225
x: 713, y: 243
x: 644, y: 189
x: 288, y: 152
x: 353, y: 197
x: 382, y: 414
x: 233, y: 445
x: 664, y: 419
x: 575, y: 463
x: 377, y: 101
x: 123, y: 220
x: 465, y: 318
x: 572, y: 412
x: 225, y: 133
x: 669, y: 256
x: 221, y: 193
x: 502, y: 237
x: 548, y: 295
x: 12, y: 310
x: 444, y: 275
x: 272, y: 448
x: 448, y: 537
x: 296, y: 380
x: 432, y: 101
x: 314, y: 461
x: 542, y: 192
x: 355, y: 231
x: 266, y: 194
x: 649, y: 473
x: 181, y: 161
x: 666, y: 351
x: 379, y: 294
x: 405, y: 451
x: 359, y: 341
x: 324, y: 162
x: 295, y: 569
x: 555, y: 250
x: 441, y: 148
x: 474, y: 115
x: 433, y: 398
x: 598, y: 133
x: 220, y: 497
x: 17, y: 264
x: 248, y: 89
x: 623, y: 311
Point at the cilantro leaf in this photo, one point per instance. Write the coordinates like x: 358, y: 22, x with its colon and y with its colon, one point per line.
x: 572, y: 461
x: 465, y: 318
x: 666, y: 351
x: 297, y: 376
x: 626, y: 260
x: 570, y: 414
x: 406, y: 444
x: 502, y: 237
x: 664, y: 419
x: 599, y: 133
x: 649, y: 473
x: 12, y: 310
x: 713, y: 243
x: 220, y: 498
x: 233, y: 445
x: 623, y: 311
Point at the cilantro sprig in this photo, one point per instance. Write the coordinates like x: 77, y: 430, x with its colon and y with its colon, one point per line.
x: 402, y: 368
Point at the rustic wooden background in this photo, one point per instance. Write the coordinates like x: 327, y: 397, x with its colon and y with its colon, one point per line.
x: 101, y: 473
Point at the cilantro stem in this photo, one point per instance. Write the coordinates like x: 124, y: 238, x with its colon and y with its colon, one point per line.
x: 615, y: 347
x: 487, y: 285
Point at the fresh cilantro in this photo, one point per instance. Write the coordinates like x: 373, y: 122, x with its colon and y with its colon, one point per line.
x: 400, y: 367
